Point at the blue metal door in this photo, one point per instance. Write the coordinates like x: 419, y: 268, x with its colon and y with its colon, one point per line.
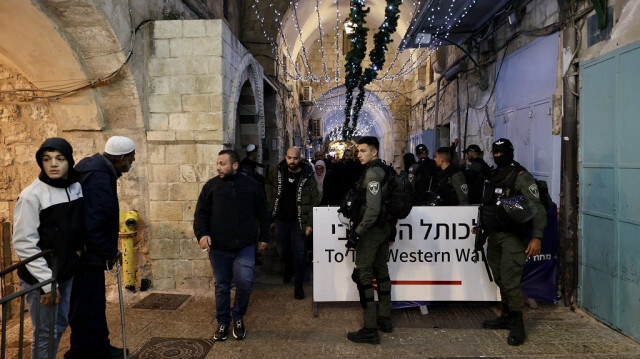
x: 609, y: 213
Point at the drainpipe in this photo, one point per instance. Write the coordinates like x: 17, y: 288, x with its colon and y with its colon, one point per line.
x: 568, y: 197
x: 435, y: 115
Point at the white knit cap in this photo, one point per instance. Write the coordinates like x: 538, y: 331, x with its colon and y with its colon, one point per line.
x: 251, y: 147
x: 119, y: 145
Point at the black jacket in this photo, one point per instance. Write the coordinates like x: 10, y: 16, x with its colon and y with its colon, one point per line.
x: 101, y: 209
x: 229, y: 211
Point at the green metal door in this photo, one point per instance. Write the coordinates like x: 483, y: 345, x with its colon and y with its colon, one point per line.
x: 609, y: 213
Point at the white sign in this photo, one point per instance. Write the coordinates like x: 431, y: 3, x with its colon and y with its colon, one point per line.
x: 431, y: 259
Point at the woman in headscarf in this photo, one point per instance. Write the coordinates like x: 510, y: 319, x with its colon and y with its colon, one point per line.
x: 326, y: 188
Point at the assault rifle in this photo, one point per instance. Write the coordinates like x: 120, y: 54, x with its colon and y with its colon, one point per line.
x: 481, y: 237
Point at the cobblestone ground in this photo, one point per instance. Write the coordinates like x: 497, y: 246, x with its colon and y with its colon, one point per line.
x: 281, y: 327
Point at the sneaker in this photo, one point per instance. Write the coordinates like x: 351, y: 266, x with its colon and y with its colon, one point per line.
x: 239, y: 331
x: 221, y: 334
x: 364, y: 335
x: 298, y: 293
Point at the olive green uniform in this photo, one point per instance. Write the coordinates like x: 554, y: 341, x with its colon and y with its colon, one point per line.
x: 506, y: 249
x: 452, y: 187
x: 372, y: 250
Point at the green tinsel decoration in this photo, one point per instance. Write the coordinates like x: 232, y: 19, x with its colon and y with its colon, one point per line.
x: 354, y: 76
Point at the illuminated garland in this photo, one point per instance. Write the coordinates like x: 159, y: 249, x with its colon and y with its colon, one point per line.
x: 354, y: 76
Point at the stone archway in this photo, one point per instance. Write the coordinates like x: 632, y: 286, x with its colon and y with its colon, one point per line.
x: 65, y: 45
x: 330, y: 108
x: 251, y: 73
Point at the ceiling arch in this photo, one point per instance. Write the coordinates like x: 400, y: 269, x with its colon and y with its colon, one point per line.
x: 330, y: 108
x: 307, y: 21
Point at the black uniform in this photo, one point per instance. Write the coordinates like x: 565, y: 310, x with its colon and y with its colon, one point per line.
x: 476, y: 172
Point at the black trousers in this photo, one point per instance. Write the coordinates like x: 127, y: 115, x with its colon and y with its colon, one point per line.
x: 87, y: 317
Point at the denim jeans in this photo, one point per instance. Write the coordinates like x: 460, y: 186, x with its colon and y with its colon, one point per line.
x: 236, y: 266
x: 292, y: 249
x: 61, y: 319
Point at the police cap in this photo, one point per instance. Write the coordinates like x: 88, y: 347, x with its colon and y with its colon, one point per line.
x: 420, y: 149
x: 502, y: 145
x: 473, y: 148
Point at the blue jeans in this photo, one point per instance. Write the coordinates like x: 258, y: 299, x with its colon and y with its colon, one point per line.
x: 234, y: 266
x: 61, y: 318
x: 291, y: 247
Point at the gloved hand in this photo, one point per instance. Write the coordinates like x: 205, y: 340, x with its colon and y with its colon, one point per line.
x: 352, y: 239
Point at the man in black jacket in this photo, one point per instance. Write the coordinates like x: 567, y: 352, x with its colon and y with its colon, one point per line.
x: 225, y: 223
x: 98, y: 177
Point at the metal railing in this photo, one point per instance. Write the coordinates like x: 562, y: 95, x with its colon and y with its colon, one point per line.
x: 35, y: 319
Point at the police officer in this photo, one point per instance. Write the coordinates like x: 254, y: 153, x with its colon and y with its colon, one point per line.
x: 452, y: 186
x: 421, y: 174
x: 372, y: 249
x: 476, y: 171
x: 506, y: 252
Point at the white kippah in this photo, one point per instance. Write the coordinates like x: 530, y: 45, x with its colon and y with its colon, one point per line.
x: 251, y: 147
x: 119, y: 145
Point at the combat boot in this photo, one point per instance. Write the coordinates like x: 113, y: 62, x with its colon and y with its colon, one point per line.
x: 385, y: 324
x: 501, y: 322
x: 364, y: 335
x: 516, y: 329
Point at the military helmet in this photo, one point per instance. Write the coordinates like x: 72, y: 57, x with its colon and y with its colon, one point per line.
x: 502, y: 145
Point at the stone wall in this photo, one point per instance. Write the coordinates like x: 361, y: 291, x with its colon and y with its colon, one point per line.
x: 196, y: 70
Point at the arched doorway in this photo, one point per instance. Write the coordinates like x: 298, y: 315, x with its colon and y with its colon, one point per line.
x: 246, y: 120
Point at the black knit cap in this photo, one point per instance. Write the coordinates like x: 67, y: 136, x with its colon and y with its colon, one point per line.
x: 58, y: 144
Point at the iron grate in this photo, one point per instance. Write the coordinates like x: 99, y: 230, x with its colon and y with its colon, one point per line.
x: 162, y: 301
x: 183, y: 348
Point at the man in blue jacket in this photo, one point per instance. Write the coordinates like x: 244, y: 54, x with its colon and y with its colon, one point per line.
x: 231, y: 215
x: 98, y: 177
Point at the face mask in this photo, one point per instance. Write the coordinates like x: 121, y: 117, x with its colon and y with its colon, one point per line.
x: 503, y: 160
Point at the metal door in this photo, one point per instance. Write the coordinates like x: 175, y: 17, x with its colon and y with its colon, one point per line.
x: 609, y: 213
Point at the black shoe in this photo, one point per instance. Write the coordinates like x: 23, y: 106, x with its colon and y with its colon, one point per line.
x: 501, y: 322
x: 364, y: 335
x: 287, y: 277
x: 516, y: 330
x: 239, y: 331
x: 385, y: 324
x: 298, y: 293
x: 222, y: 333
x: 115, y: 353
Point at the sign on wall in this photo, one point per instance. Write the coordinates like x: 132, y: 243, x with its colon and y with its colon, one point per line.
x: 431, y: 260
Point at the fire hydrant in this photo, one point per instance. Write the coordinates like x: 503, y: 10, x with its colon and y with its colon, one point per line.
x: 128, y: 231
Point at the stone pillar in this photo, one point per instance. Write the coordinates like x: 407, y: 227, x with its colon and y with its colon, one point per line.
x: 195, y: 72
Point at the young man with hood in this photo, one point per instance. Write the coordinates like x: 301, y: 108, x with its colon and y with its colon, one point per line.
x: 293, y: 192
x: 48, y: 216
x: 231, y: 214
x: 98, y: 176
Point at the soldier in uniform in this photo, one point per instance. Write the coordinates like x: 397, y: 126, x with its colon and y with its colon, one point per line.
x: 421, y: 174
x: 372, y: 248
x: 452, y: 185
x: 506, y: 251
x: 476, y: 171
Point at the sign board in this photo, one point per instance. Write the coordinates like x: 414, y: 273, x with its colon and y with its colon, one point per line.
x: 431, y: 259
